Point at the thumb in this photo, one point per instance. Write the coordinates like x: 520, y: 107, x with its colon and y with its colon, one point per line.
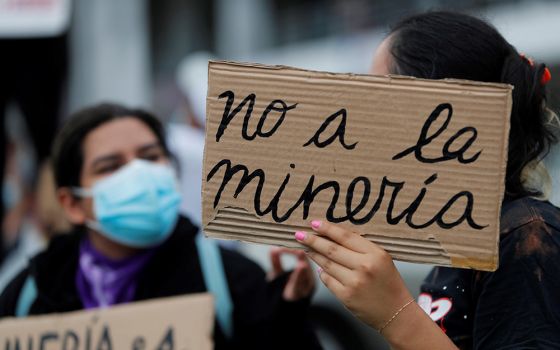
x: 276, y: 263
x: 296, y: 285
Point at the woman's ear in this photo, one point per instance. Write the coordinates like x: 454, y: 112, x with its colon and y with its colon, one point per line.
x: 72, y: 205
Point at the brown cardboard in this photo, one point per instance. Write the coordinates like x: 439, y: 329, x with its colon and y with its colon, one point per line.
x: 184, y: 322
x: 384, y: 117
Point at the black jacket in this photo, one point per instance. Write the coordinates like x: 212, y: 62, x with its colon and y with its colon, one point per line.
x: 261, y: 318
x: 518, y: 305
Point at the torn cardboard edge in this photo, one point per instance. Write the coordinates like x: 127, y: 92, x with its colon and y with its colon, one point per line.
x: 289, y: 84
x: 348, y: 75
x: 425, y: 251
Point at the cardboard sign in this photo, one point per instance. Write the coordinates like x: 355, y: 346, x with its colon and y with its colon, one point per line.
x: 417, y: 166
x: 184, y: 323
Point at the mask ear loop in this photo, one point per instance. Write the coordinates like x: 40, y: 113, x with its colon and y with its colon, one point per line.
x: 86, y: 193
x: 94, y: 225
x: 81, y: 192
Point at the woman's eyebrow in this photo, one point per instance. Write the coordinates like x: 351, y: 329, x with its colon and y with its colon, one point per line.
x: 148, y: 147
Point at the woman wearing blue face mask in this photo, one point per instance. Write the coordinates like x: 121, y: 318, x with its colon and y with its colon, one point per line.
x: 117, y: 186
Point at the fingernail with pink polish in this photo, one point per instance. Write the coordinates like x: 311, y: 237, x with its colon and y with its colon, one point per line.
x: 316, y: 223
x: 319, y: 270
x: 300, y: 235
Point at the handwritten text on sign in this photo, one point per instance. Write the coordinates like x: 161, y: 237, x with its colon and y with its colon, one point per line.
x: 417, y: 166
x: 174, y: 323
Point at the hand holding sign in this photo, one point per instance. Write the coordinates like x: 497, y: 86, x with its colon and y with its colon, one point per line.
x: 357, y: 271
x: 363, y: 276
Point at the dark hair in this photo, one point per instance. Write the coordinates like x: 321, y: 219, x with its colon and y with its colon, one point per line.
x: 437, y: 45
x: 67, y: 153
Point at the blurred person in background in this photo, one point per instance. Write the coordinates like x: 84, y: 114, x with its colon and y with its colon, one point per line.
x: 518, y: 305
x: 18, y: 225
x: 116, y: 183
x: 33, y: 43
x: 186, y: 137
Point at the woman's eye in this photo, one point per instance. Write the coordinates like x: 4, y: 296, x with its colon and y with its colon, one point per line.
x: 107, y: 168
x: 152, y: 157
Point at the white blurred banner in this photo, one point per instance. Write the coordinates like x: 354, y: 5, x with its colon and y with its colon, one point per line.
x: 33, y: 18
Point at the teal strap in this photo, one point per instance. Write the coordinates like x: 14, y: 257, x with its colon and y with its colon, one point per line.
x: 212, y: 271
x: 27, y: 296
x: 216, y: 282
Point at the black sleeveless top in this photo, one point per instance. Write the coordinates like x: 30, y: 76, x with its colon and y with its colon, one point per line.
x: 518, y: 305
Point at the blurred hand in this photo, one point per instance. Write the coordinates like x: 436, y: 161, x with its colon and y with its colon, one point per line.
x: 301, y: 282
x: 360, y: 273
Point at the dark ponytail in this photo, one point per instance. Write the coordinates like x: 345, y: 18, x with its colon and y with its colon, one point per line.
x: 438, y: 45
x: 529, y: 137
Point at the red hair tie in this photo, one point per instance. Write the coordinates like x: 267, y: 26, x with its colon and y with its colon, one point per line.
x: 528, y: 59
x: 546, y: 76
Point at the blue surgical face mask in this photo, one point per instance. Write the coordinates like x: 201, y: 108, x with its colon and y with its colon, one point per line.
x: 137, y: 206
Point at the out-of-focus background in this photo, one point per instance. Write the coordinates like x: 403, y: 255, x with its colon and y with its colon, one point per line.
x: 154, y: 54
